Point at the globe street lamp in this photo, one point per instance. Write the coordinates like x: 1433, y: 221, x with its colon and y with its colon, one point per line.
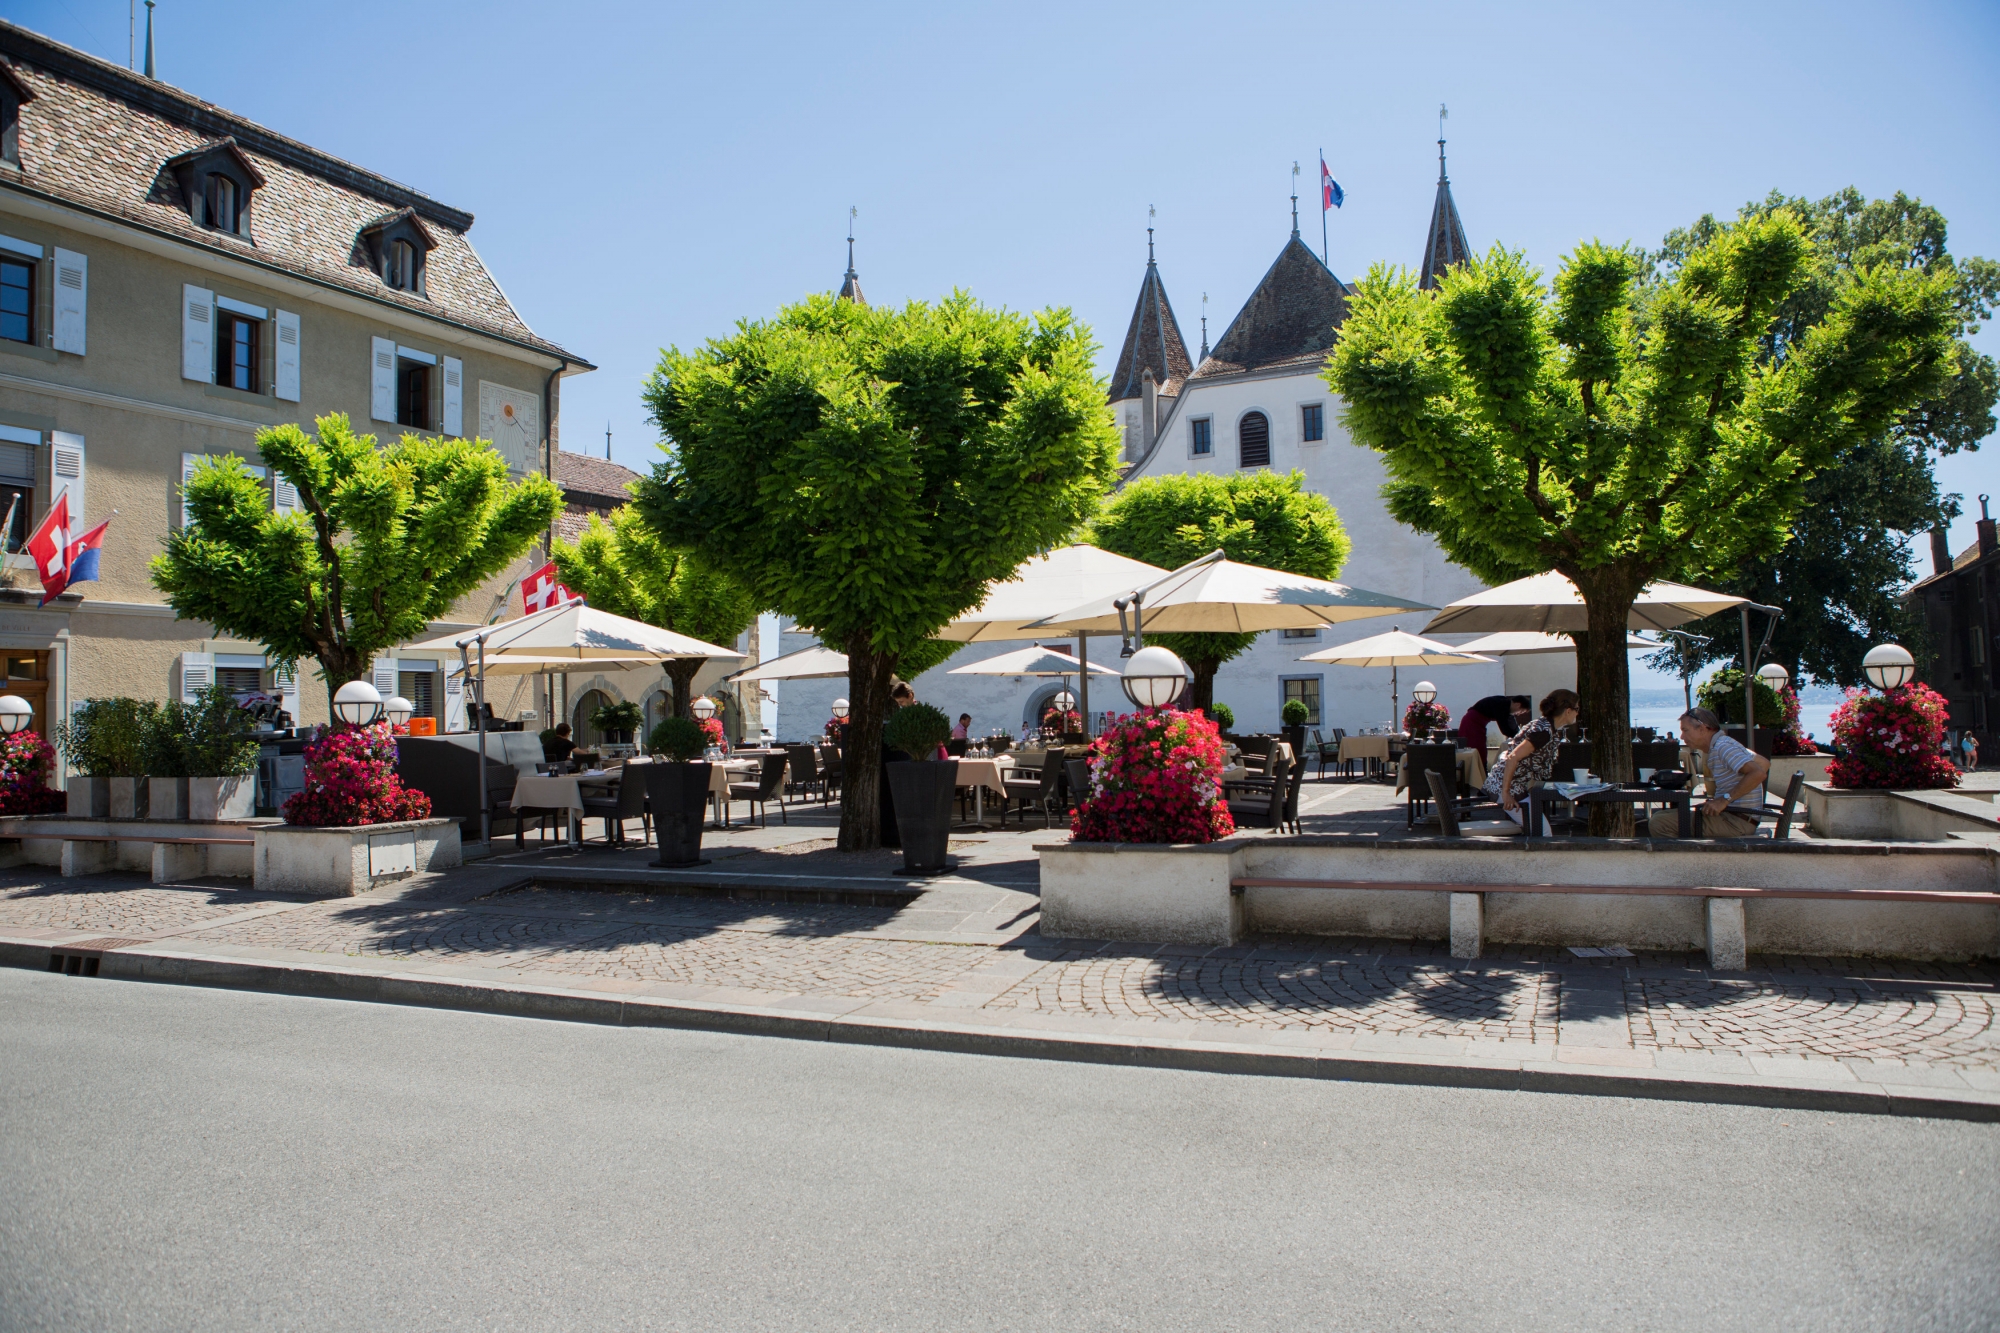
x: 1423, y: 692
x: 398, y: 710
x: 15, y: 714
x: 840, y: 708
x: 357, y: 703
x: 1889, y: 665
x: 1154, y: 677
x: 703, y: 708
x: 1063, y: 702
x: 1773, y: 675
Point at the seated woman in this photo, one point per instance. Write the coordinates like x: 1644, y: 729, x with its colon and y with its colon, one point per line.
x: 1532, y: 756
x: 1506, y: 712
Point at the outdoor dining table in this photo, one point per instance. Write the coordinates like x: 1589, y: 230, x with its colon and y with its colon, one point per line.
x: 560, y: 792
x: 983, y: 775
x: 1471, y: 770
x: 1630, y: 793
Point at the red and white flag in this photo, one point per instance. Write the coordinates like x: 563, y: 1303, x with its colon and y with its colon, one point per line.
x: 49, y: 547
x: 541, y: 592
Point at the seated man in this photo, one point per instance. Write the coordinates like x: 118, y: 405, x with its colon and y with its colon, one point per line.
x: 558, y: 747
x: 1735, y: 781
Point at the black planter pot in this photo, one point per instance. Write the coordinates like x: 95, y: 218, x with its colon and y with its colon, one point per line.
x: 1296, y: 738
x: 923, y: 790
x: 678, y: 794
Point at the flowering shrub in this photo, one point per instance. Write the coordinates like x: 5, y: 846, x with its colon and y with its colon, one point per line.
x: 25, y: 762
x: 351, y: 779
x: 711, y: 727
x: 1155, y: 776
x: 1422, y: 717
x: 1893, y: 740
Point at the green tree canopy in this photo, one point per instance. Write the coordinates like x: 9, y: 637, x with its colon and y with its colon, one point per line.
x: 1840, y: 577
x: 1619, y: 433
x: 623, y: 567
x: 386, y: 541
x: 867, y: 472
x: 1258, y: 518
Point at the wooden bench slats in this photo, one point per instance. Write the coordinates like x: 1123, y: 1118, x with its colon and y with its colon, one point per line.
x: 1973, y: 897
x: 105, y: 837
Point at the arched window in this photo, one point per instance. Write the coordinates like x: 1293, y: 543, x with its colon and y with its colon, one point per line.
x: 1253, y: 440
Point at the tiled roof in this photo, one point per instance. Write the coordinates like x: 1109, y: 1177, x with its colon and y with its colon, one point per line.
x: 583, y: 475
x: 99, y: 137
x: 1289, y: 320
x: 1445, y: 243
x: 1152, y: 342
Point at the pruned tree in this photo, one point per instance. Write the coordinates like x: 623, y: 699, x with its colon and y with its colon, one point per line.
x: 625, y: 568
x: 1258, y: 518
x: 384, y: 541
x: 1621, y: 433
x: 868, y: 472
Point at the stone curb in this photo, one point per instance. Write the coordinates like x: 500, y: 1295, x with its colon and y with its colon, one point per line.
x: 178, y: 967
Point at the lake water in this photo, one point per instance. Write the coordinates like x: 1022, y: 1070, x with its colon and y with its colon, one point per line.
x: 1650, y: 708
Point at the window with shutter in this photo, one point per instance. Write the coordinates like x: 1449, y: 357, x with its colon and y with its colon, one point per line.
x: 454, y: 697
x: 197, y: 674
x: 66, y: 468
x: 284, y: 496
x: 17, y: 299
x: 382, y: 371
x: 383, y: 676
x: 72, y: 292
x: 197, y: 334
x: 454, y: 396
x: 1253, y: 440
x: 286, y: 379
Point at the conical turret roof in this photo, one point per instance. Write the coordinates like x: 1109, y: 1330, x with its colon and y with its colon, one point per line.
x: 1152, y: 342
x: 1446, y: 244
x: 850, y: 286
x: 1289, y: 320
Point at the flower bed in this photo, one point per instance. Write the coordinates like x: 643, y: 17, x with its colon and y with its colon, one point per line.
x: 1155, y: 776
x: 351, y: 779
x: 26, y: 760
x: 1893, y: 740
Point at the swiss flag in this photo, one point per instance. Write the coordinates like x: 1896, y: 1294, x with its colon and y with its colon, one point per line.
x: 50, y: 548
x: 540, y: 591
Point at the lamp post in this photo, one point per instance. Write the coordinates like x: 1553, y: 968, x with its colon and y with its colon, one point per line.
x: 398, y: 710
x: 839, y: 709
x: 1423, y: 692
x: 703, y: 708
x: 357, y: 703
x: 1773, y: 675
x: 15, y: 714
x: 1889, y: 665
x: 1154, y: 677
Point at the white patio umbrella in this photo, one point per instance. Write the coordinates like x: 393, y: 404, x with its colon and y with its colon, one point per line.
x: 1393, y: 650
x: 1065, y: 577
x: 1034, y: 660
x: 1218, y: 595
x: 814, y: 663
x: 1543, y: 603
x: 1517, y: 643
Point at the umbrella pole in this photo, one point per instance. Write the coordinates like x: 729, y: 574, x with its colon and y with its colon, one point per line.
x: 1749, y: 695
x: 1083, y: 677
x: 485, y: 813
x: 1394, y: 696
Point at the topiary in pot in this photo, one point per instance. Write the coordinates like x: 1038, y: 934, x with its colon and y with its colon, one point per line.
x: 619, y: 719
x: 1294, y: 715
x: 1222, y: 715
x: 80, y: 739
x: 167, y: 762
x: 677, y: 787
x: 921, y: 789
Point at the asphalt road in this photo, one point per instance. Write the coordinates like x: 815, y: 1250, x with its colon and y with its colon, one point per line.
x: 177, y: 1158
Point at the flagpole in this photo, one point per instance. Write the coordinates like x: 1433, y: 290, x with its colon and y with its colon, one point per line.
x: 1324, y: 261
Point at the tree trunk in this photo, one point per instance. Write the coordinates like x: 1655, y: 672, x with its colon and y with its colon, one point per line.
x: 680, y: 675
x: 1201, y: 690
x: 340, y: 665
x: 869, y: 674
x: 1603, y: 683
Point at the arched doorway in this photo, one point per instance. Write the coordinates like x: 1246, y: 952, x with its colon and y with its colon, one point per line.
x: 585, y: 735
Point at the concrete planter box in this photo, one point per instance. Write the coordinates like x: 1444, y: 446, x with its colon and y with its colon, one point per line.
x: 1782, y: 768
x: 1871, y: 813
x: 129, y: 797
x: 90, y: 798
x: 341, y: 862
x: 212, y: 799
x: 169, y: 798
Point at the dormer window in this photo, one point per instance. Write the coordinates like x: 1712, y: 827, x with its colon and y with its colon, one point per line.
x: 13, y: 94
x: 396, y: 245
x: 218, y: 183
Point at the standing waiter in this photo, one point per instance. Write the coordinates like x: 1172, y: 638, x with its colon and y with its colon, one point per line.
x: 1506, y: 712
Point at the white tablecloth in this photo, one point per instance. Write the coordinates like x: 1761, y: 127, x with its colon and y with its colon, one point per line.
x: 549, y: 793
x: 990, y: 774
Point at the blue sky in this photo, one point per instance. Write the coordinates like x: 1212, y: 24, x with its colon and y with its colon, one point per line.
x: 646, y: 175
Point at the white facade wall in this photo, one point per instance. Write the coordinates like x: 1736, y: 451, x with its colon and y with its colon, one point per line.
x: 1386, y: 557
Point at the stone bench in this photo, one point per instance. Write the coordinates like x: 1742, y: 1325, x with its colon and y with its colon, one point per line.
x: 171, y: 850
x: 1722, y: 906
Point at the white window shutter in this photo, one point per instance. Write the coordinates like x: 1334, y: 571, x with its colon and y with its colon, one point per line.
x: 382, y: 368
x: 287, y: 385
x: 72, y: 293
x: 188, y: 462
x: 454, y: 697
x: 197, y: 333
x: 285, y: 681
x: 197, y: 674
x: 385, y: 676
x: 66, y: 466
x: 454, y: 396
x: 284, y: 495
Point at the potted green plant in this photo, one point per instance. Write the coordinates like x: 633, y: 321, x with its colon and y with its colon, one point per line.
x: 1294, y: 713
x: 80, y: 740
x: 221, y: 758
x: 677, y: 788
x: 108, y: 740
x: 1224, y: 718
x: 617, y: 721
x: 167, y: 762
x: 921, y: 785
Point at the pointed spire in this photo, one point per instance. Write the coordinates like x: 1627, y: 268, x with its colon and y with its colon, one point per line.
x: 1290, y: 320
x: 1295, y: 201
x: 1204, y: 326
x: 150, y: 73
x: 850, y: 287
x: 1153, y: 341
x: 1446, y: 244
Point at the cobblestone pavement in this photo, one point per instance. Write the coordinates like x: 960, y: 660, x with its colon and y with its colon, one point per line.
x: 1840, y: 1009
